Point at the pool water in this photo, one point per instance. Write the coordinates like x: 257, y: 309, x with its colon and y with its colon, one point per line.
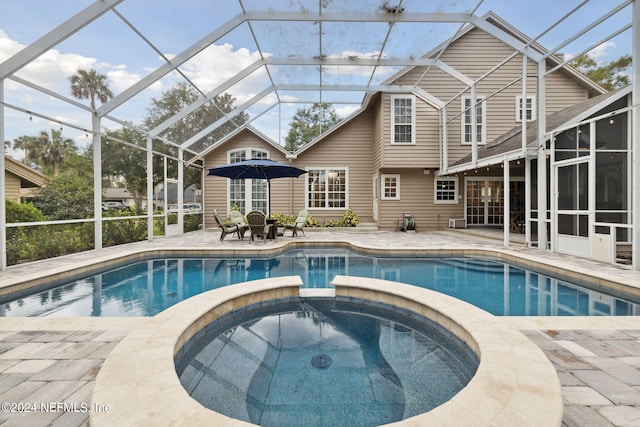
x: 315, y: 362
x: 148, y: 287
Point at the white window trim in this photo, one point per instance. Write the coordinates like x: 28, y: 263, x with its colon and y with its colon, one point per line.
x: 326, y: 168
x: 382, y: 187
x: 247, y: 186
x: 413, y: 119
x: 534, y: 109
x: 456, y: 193
x: 483, y: 122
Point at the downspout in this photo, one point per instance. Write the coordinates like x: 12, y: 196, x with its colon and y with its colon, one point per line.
x: 474, y: 126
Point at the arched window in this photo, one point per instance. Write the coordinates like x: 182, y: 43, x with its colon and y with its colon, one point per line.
x: 248, y: 194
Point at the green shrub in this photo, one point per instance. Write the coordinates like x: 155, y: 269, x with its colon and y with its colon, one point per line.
x: 123, y: 230
x: 192, y: 222
x: 350, y: 219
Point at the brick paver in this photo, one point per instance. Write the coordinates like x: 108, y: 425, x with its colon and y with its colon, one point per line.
x: 47, y: 376
x: 599, y: 372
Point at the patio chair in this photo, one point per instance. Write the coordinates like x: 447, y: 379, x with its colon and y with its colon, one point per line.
x: 237, y: 219
x: 258, y: 225
x: 226, y: 229
x: 298, y: 224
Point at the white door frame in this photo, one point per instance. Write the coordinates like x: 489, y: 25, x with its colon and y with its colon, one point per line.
x: 573, y: 245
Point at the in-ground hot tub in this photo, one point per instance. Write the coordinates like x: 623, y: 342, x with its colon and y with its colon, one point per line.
x: 324, y: 361
x: 514, y: 384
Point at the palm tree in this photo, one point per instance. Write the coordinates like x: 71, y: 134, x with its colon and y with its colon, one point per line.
x: 54, y: 150
x: 91, y: 85
x: 31, y: 148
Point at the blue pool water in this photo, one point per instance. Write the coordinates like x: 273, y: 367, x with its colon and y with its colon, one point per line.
x: 148, y: 287
x: 316, y: 362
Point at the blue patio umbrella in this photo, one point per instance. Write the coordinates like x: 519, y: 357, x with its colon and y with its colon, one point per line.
x: 257, y: 169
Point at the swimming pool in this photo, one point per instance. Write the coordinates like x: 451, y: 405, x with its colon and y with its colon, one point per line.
x: 317, y: 362
x: 146, y: 288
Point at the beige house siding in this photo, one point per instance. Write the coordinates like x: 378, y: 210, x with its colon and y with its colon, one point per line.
x: 417, y: 197
x: 363, y: 146
x: 425, y: 152
x: 21, y: 180
x: 473, y: 54
x: 378, y: 132
x: 216, y: 189
x: 348, y: 147
x: 12, y: 187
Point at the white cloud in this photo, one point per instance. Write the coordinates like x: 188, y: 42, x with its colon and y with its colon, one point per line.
x: 601, y: 51
x: 217, y: 64
x: 346, y: 110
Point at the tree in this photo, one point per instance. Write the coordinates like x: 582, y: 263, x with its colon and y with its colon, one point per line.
x: 67, y: 196
x: 308, y: 123
x: 182, y: 95
x: 610, y: 75
x: 127, y: 162
x: 30, y: 146
x: 171, y: 103
x: 47, y: 151
x: 89, y: 84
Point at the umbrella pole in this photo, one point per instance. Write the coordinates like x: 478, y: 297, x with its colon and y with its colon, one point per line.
x: 268, y: 198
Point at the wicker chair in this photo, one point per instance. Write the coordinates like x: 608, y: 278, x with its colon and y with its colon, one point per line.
x: 258, y: 225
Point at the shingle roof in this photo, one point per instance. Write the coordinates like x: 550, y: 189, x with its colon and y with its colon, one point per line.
x: 511, y: 141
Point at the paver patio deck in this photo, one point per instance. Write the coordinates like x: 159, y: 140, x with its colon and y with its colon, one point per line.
x: 52, y: 362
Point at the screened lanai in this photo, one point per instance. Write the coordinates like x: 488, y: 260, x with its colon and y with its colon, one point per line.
x: 254, y: 63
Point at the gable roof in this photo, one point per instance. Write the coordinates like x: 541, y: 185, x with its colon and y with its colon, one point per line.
x: 500, y: 23
x: 238, y: 131
x: 511, y: 141
x: 29, y: 177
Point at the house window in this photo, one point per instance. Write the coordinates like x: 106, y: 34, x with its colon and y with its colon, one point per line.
x: 403, y: 119
x: 248, y: 194
x: 327, y: 188
x: 390, y: 187
x: 530, y: 108
x: 446, y: 190
x: 480, y: 121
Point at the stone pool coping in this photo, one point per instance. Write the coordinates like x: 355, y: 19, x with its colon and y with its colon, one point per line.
x: 69, y: 270
x: 515, y: 383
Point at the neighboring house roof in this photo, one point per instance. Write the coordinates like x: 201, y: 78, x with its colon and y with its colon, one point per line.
x: 190, y: 194
x: 29, y: 177
x: 116, y: 193
x: 511, y: 141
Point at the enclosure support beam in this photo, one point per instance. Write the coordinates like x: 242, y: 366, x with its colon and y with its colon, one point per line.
x: 150, y: 195
x: 506, y: 221
x: 97, y: 181
x: 3, y: 214
x: 180, y: 191
x: 542, y: 159
x: 635, y: 135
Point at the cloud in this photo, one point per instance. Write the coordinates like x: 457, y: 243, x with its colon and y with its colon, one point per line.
x: 217, y: 64
x: 346, y: 110
x: 600, y: 52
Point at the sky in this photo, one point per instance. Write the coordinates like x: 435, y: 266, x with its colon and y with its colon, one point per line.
x: 111, y: 46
